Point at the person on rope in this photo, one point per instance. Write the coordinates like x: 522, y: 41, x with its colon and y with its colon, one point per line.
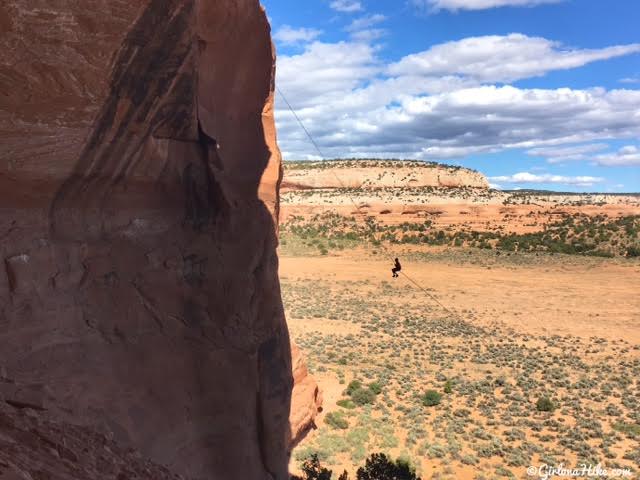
x: 396, y: 268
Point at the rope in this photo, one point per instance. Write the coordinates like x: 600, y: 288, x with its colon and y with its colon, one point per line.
x: 358, y: 208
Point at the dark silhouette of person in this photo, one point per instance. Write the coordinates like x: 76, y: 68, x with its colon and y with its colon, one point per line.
x: 396, y: 268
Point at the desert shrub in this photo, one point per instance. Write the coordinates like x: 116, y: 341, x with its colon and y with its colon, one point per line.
x: 601, y: 253
x: 336, y: 420
x: 353, y: 386
x: 630, y: 429
x: 469, y: 460
x: 431, y: 398
x: 448, y: 387
x: 346, y: 403
x: 309, y: 452
x: 633, y: 252
x: 379, y: 467
x: 437, y: 451
x: 500, y: 381
x: 376, y: 388
x: 503, y: 472
x: 363, y: 396
x: 545, y: 404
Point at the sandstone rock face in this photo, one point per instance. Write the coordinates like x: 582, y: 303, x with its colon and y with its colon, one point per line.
x: 306, y: 400
x: 372, y: 174
x: 32, y: 445
x: 138, y: 208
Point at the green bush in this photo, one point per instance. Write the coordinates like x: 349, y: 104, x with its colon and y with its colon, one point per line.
x: 545, y: 404
x: 336, y: 420
x: 431, y: 398
x: 353, y: 386
x: 363, y: 396
x: 346, y: 403
x: 376, y: 388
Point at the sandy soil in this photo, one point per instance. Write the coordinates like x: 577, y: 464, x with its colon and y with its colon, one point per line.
x: 526, y: 300
x: 583, y: 299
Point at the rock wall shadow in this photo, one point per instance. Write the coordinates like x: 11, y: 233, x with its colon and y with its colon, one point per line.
x: 157, y: 313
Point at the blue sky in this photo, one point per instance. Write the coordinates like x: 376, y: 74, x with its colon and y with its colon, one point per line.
x: 534, y: 93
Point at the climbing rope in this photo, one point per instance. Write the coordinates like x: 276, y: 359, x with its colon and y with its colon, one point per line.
x: 358, y: 208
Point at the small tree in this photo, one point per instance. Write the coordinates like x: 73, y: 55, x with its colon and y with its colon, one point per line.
x: 379, y: 467
x: 313, y: 470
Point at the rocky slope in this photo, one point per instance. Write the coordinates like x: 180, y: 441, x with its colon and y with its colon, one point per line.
x: 139, y: 293
x: 34, y: 445
x: 373, y: 174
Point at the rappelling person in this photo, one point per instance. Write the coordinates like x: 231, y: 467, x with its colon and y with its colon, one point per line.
x: 397, y: 267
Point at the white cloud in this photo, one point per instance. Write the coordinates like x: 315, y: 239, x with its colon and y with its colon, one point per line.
x: 569, y: 153
x: 288, y: 35
x: 531, y: 178
x: 346, y: 6
x: 325, y: 72
x: 368, y: 35
x: 497, y: 58
x: 354, y: 105
x: 625, y: 157
x: 630, y: 80
x: 455, y: 5
x: 365, y: 22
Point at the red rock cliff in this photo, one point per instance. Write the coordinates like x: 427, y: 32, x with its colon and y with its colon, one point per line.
x: 138, y: 203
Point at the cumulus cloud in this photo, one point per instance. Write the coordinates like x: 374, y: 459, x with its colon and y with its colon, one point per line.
x: 324, y: 73
x: 346, y: 6
x: 625, y: 157
x: 498, y: 58
x: 569, y: 153
x: 288, y: 35
x: 531, y: 178
x: 455, y: 5
x: 355, y: 104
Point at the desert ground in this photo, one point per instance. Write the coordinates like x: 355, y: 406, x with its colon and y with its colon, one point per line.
x: 514, y: 346
x: 518, y: 329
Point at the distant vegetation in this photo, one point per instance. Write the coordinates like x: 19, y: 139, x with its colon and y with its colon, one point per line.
x: 576, y: 234
x: 366, y: 162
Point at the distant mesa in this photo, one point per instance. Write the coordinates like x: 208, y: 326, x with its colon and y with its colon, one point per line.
x: 375, y: 174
